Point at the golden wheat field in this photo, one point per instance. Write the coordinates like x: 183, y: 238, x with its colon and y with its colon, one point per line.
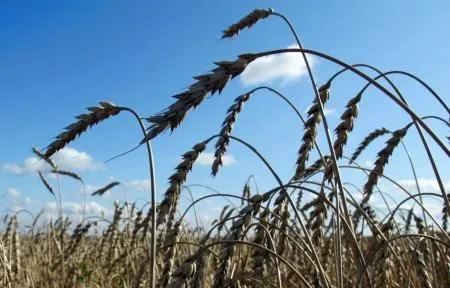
x: 274, y: 238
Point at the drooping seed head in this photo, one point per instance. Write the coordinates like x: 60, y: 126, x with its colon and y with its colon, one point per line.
x: 104, y: 189
x: 97, y: 114
x: 382, y: 160
x: 369, y: 139
x: 206, y: 84
x: 246, y: 22
x: 346, y: 125
x: 168, y: 205
x: 227, y: 126
x: 309, y: 136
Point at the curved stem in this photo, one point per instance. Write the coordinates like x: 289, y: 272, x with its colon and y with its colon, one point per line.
x: 400, y: 102
x: 153, y: 198
x: 422, y: 137
x: 367, y: 78
x: 295, y: 110
x: 332, y: 153
x: 291, y: 202
x: 275, y: 254
x: 423, y: 83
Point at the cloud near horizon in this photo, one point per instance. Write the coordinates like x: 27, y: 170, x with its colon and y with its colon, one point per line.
x: 425, y: 184
x: 207, y: 158
x: 67, y: 158
x: 286, y: 67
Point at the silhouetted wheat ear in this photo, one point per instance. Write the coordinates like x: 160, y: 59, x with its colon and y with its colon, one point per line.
x: 169, y: 254
x: 105, y: 189
x: 227, y: 126
x: 68, y: 174
x: 382, y: 160
x: 45, y: 182
x: 309, y: 136
x: 213, y: 82
x: 317, y: 218
x: 172, y: 194
x: 246, y: 193
x: 369, y: 139
x: 409, y: 219
x: 42, y: 156
x: 236, y: 230
x: 445, y: 214
x: 421, y: 268
x: 316, y: 166
x: 346, y: 125
x: 97, y: 114
x: 246, y: 22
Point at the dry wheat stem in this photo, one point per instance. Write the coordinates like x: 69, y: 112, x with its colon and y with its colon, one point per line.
x: 227, y: 125
x: 397, y: 72
x: 367, y: 78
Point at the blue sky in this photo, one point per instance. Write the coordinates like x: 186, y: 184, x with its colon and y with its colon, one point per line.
x: 58, y: 57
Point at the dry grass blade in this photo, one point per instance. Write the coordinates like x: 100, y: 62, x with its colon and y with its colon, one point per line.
x: 246, y: 22
x: 105, y: 189
x: 227, y: 126
x: 46, y: 184
x: 211, y: 83
x: 95, y: 116
x: 369, y: 139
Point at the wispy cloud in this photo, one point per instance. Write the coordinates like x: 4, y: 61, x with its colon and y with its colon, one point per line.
x: 287, y: 67
x: 76, y: 208
x: 67, y: 158
x: 13, y: 192
x: 369, y: 164
x: 425, y: 184
x: 207, y: 158
x: 139, y: 185
x: 17, y: 201
x: 326, y: 111
x: 204, y: 159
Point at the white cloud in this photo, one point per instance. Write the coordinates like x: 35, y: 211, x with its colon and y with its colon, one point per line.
x: 88, y: 189
x: 425, y: 184
x: 207, y: 158
x: 326, y: 111
x: 139, y: 185
x: 70, y: 158
x: 13, y: 193
x: 287, y: 66
x: 329, y: 111
x: 75, y: 208
x: 30, y: 164
x: 369, y: 164
x: 67, y: 158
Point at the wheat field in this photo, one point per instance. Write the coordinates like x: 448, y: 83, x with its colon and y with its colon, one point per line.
x: 274, y: 238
